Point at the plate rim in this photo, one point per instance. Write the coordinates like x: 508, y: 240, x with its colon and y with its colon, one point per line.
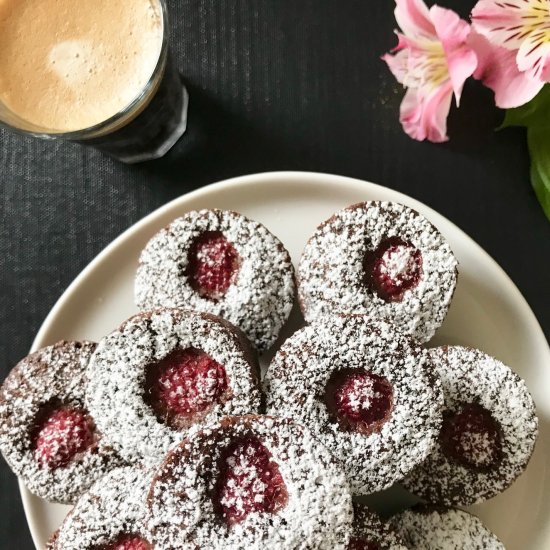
x: 266, y: 178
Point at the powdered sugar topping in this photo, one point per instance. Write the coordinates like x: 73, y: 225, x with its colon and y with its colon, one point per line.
x: 317, y: 514
x: 497, y: 455
x: 369, y: 528
x: 479, y: 446
x: 296, y: 383
x: 472, y: 437
x: 425, y: 528
x: 42, y: 384
x: 249, y: 481
x: 399, y: 263
x: 260, y: 298
x: 112, y: 508
x: 118, y: 369
x: 361, y: 394
x: 332, y: 269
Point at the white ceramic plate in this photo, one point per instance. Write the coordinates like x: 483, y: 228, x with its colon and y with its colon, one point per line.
x: 488, y: 312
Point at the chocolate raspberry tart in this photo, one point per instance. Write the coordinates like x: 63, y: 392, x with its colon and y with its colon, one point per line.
x: 488, y: 433
x: 382, y: 259
x: 364, y: 390
x: 371, y: 533
x: 164, y: 371
x: 110, y: 516
x: 222, y: 263
x: 434, y: 528
x: 251, y: 482
x: 47, y: 434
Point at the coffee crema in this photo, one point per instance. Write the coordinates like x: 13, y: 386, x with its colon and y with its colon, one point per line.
x: 66, y: 65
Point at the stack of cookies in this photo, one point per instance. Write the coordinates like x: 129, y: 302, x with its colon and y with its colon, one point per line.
x: 164, y: 436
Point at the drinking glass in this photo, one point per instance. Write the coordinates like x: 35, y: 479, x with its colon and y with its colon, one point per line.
x: 145, y: 129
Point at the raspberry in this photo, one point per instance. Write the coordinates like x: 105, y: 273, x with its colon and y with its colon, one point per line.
x: 361, y: 401
x: 471, y: 437
x: 359, y: 544
x: 183, y: 384
x: 128, y: 542
x: 213, y: 265
x: 393, y: 268
x: 61, y: 434
x: 249, y: 482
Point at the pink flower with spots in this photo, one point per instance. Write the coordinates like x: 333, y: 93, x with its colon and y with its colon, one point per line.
x: 432, y: 60
x: 512, y: 41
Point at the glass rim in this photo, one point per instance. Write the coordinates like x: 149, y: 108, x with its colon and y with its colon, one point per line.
x: 105, y: 126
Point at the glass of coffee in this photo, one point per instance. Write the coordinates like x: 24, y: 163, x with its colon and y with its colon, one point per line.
x: 98, y: 72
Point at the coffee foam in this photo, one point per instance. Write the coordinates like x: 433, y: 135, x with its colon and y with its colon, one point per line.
x: 67, y: 66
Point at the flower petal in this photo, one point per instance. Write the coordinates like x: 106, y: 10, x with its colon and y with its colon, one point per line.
x: 413, y: 18
x: 500, y: 22
x: 534, y: 52
x: 453, y: 32
x: 398, y: 64
x: 424, y: 115
x: 498, y: 70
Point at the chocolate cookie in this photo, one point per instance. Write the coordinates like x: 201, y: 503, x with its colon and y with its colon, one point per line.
x: 364, y: 390
x: 371, y: 533
x: 164, y: 371
x: 47, y: 434
x: 222, y: 263
x: 383, y: 259
x: 251, y: 482
x: 110, y: 516
x: 488, y: 433
x: 431, y: 528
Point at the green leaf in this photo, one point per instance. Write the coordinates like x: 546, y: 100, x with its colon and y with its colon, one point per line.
x: 535, y: 115
x: 535, y: 112
x: 538, y: 139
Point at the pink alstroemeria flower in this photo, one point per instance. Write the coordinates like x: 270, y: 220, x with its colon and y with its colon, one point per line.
x: 433, y: 61
x: 513, y: 49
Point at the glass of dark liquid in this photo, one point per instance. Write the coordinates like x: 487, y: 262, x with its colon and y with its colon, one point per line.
x: 96, y: 72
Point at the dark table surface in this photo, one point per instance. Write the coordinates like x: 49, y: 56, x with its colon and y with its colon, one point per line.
x: 274, y: 86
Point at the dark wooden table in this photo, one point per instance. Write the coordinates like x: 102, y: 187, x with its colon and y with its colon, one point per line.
x: 274, y: 86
